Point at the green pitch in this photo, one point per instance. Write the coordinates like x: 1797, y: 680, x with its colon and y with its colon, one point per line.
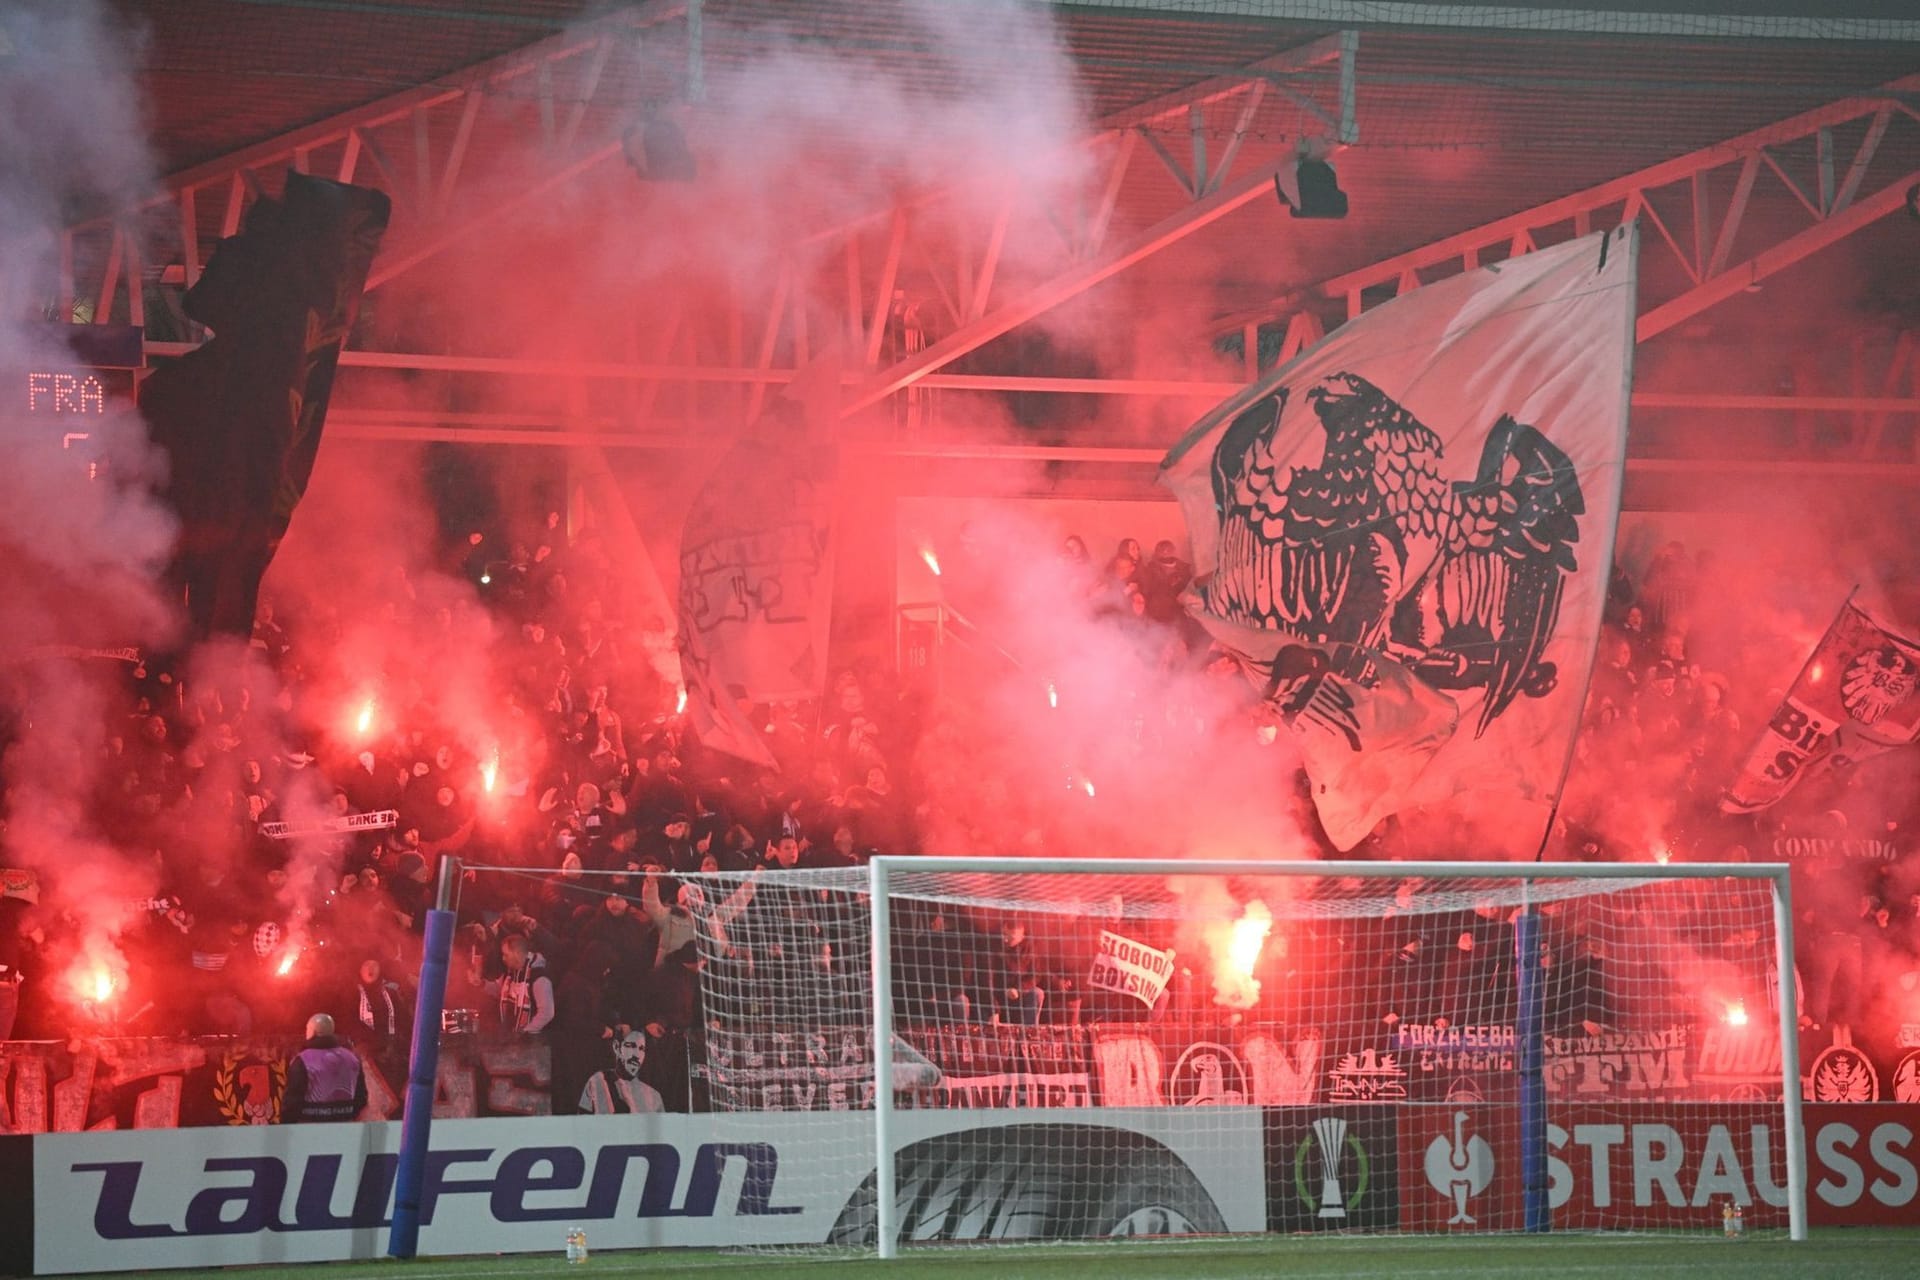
x: 1842, y: 1254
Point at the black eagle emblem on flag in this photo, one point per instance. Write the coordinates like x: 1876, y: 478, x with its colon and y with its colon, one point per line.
x: 1375, y: 551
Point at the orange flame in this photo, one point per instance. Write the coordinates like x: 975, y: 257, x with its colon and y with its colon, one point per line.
x: 93, y: 983
x: 933, y: 561
x: 1236, y: 952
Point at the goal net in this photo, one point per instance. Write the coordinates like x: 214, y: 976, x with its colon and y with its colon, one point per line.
x: 1084, y: 1049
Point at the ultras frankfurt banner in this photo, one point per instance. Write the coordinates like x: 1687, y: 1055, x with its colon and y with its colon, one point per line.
x: 1406, y: 531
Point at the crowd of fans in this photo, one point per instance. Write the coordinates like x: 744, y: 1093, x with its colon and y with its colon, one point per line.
x: 595, y: 774
x: 1674, y: 707
x: 292, y: 840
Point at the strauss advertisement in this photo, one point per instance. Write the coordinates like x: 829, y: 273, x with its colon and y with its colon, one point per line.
x: 1657, y: 1166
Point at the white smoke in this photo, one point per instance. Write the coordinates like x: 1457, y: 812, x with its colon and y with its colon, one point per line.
x: 82, y: 555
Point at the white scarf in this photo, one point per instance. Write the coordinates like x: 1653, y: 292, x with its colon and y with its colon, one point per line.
x: 367, y: 1014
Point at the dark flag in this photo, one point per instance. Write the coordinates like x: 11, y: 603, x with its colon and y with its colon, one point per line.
x: 240, y: 417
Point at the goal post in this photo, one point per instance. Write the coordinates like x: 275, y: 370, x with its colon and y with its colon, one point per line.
x: 1580, y: 1055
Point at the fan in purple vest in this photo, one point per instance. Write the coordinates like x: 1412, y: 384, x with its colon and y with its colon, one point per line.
x: 324, y: 1081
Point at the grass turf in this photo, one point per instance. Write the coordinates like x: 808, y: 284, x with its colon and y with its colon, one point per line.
x: 1844, y: 1254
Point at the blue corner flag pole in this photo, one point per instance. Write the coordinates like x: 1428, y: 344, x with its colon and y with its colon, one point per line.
x: 1531, y: 1034
x: 417, y: 1120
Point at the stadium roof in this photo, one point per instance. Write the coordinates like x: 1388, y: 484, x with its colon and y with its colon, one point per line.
x: 1463, y: 125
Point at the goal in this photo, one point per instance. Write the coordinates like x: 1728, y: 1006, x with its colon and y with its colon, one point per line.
x: 977, y: 1050
x: 1080, y: 1049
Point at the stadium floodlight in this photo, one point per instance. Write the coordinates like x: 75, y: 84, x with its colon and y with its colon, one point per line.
x: 1309, y: 187
x: 1318, y: 191
x: 656, y: 150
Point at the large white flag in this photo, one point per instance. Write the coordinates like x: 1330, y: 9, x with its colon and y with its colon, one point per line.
x: 756, y: 569
x: 1406, y: 531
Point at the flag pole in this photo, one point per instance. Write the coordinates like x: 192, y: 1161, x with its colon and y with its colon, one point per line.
x: 1631, y: 233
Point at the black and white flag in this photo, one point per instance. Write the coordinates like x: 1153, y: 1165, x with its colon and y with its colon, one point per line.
x: 1405, y: 532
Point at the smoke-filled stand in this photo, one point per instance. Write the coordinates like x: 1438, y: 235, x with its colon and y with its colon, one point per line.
x: 1351, y: 562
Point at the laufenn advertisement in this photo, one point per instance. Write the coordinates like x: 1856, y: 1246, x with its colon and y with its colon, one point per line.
x: 245, y: 1195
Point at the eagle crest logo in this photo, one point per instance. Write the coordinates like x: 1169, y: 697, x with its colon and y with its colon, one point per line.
x: 1876, y: 682
x: 1375, y: 551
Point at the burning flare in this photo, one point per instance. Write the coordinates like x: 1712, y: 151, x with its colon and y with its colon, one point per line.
x: 365, y: 720
x: 1736, y: 1013
x: 490, y: 771
x: 1236, y: 951
x: 680, y: 706
x: 1053, y: 698
x: 933, y: 561
x: 93, y: 983
x: 287, y: 960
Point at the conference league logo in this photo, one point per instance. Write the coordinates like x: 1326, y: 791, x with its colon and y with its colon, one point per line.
x: 1332, y: 1169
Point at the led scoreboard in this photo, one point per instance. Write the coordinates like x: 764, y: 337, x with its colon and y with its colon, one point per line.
x: 86, y: 371
x: 71, y: 396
